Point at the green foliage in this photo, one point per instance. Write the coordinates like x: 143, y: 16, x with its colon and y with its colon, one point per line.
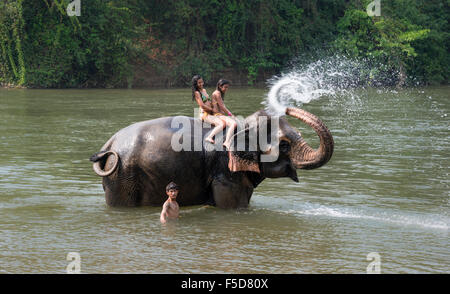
x: 12, y: 64
x: 399, y: 38
x: 40, y: 46
x: 207, y: 36
x: 92, y: 50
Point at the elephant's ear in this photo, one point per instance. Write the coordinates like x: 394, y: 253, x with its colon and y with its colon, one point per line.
x: 242, y: 160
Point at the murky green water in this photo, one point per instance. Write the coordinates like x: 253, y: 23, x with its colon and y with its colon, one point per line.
x: 385, y: 190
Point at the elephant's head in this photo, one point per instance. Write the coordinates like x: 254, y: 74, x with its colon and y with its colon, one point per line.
x: 293, y: 152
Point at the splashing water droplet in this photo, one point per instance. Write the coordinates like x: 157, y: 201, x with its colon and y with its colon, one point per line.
x: 331, y: 76
x: 294, y: 89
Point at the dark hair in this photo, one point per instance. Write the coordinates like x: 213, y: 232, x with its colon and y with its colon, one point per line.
x: 220, y: 83
x: 172, y: 186
x: 194, y: 85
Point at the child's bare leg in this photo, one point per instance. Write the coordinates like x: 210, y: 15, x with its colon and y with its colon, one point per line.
x: 231, y: 124
x: 219, y: 125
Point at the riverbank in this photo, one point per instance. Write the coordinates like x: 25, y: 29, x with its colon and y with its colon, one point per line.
x: 11, y: 86
x: 141, y: 44
x: 147, y: 77
x: 150, y: 78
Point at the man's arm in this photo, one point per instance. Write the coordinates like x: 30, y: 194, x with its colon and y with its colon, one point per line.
x: 163, y: 217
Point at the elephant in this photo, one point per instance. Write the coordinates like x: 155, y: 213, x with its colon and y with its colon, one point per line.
x: 139, y: 161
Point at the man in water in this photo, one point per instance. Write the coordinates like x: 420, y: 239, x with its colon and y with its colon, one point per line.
x: 170, y: 207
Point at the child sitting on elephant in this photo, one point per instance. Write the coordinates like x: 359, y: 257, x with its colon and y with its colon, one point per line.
x: 170, y: 207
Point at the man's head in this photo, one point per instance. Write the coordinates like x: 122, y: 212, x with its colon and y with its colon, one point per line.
x: 172, y: 190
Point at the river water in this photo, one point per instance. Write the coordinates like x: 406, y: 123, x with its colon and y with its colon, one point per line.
x: 385, y: 190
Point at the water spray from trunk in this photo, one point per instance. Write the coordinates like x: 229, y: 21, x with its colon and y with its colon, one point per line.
x: 329, y: 76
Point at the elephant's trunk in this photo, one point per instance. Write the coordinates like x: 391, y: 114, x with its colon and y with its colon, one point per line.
x: 301, y: 154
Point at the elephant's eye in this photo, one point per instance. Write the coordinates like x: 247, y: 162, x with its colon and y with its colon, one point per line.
x: 284, y: 146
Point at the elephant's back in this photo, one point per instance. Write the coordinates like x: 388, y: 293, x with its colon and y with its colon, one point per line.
x: 147, y: 156
x: 151, y: 133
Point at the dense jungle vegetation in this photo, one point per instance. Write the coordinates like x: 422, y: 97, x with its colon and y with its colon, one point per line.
x: 115, y: 43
